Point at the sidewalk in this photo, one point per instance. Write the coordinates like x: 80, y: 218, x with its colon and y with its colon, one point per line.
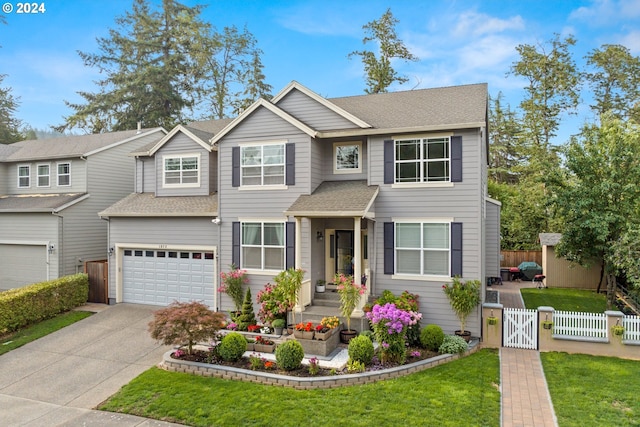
x: 525, y: 396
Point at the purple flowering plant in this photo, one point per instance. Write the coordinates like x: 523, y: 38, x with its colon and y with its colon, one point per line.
x: 390, y: 325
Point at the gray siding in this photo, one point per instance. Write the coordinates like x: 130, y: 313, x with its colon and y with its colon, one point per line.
x: 148, y: 175
x: 328, y: 161
x: 463, y: 202
x: 235, y: 203
x: 312, y: 113
x: 159, y: 231
x: 3, y: 178
x: 182, y: 144
x: 213, y: 172
x: 78, y: 177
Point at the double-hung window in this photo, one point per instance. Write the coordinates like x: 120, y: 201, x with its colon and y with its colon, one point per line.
x: 24, y: 176
x: 44, y: 175
x: 347, y: 157
x: 422, y: 248
x: 64, y: 174
x: 263, y: 245
x: 262, y: 164
x: 182, y: 171
x: 422, y: 160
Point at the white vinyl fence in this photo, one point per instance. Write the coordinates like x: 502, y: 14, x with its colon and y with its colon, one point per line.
x: 569, y: 324
x: 631, y: 326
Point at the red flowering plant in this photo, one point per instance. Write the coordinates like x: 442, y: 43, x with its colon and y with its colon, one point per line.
x: 321, y: 328
x: 306, y: 327
x: 264, y: 341
x: 253, y: 328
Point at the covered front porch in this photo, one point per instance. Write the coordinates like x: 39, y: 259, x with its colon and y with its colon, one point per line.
x: 336, y: 222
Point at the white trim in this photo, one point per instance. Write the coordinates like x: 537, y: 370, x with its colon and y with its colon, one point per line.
x: 422, y: 219
x: 262, y: 187
x: 25, y: 242
x: 48, y: 175
x: 181, y: 156
x: 71, y: 203
x: 493, y: 201
x: 358, y: 169
x: 433, y: 184
x: 351, y: 133
x: 424, y: 135
x: 58, y: 175
x: 325, y: 102
x: 28, y: 176
x: 425, y: 278
x: 260, y: 143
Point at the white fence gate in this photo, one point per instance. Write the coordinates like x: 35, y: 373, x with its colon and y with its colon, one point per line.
x: 520, y: 328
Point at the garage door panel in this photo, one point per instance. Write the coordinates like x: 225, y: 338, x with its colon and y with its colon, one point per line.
x: 22, y: 265
x: 160, y: 277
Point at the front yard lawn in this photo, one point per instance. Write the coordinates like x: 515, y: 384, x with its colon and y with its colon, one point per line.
x: 462, y: 392
x: 593, y: 391
x: 31, y: 333
x: 565, y: 299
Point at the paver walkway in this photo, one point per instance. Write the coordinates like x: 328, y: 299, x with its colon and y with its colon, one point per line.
x: 525, y: 396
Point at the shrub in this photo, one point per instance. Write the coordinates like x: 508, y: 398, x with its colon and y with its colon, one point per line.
x: 355, y: 366
x: 232, y: 347
x: 247, y: 317
x: 431, y: 337
x: 368, y: 334
x: 185, y: 323
x: 34, y: 303
x: 289, y: 355
x: 361, y: 349
x: 453, y: 344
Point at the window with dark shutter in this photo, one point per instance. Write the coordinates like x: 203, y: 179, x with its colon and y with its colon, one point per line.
x: 389, y: 250
x: 456, y: 249
x: 290, y: 257
x: 456, y: 158
x: 235, y: 165
x: 290, y: 173
x: 389, y: 166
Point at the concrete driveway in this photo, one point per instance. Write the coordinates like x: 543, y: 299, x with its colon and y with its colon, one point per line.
x: 58, y: 379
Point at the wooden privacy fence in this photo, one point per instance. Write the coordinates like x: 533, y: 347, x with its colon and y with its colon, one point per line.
x: 98, y: 272
x: 515, y: 258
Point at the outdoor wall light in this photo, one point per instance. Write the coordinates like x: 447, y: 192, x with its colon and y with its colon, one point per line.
x: 319, y: 236
x: 111, y: 250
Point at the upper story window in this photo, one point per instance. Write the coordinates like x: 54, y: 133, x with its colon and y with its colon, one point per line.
x: 422, y: 248
x: 346, y: 157
x: 64, y: 174
x: 24, y: 176
x: 263, y: 245
x: 182, y: 171
x: 422, y: 160
x: 44, y: 173
x: 262, y: 164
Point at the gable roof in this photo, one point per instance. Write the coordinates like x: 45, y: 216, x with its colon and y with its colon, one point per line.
x: 337, y: 198
x: 294, y: 85
x: 39, y: 202
x: 269, y: 106
x: 148, y: 205
x: 71, y: 146
x: 198, y: 136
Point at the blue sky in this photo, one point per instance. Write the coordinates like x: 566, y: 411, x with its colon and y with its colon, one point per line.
x: 458, y: 42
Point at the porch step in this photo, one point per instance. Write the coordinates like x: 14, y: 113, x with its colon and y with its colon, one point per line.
x: 326, y: 299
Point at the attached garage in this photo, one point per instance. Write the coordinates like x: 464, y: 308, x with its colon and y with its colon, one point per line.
x: 159, y: 277
x: 22, y: 264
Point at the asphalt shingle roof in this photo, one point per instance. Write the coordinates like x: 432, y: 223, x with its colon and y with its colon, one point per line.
x: 338, y: 198
x: 65, y: 146
x: 36, y: 202
x: 147, y: 205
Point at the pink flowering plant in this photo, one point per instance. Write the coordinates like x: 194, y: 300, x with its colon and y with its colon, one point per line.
x: 390, y: 325
x: 350, y: 294
x: 232, y: 285
x: 272, y: 304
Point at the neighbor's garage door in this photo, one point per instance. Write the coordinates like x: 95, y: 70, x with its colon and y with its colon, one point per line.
x: 22, y: 265
x: 160, y: 277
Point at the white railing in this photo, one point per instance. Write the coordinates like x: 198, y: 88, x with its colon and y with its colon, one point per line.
x: 631, y: 326
x: 584, y: 325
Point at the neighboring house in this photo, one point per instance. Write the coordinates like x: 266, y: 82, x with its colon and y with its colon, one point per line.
x: 392, y: 186
x: 561, y: 273
x: 50, y: 193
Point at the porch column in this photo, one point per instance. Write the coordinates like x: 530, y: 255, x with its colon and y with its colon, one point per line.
x: 299, y: 307
x: 357, y: 265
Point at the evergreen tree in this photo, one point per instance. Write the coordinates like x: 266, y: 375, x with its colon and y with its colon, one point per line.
x: 380, y: 73
x: 247, y: 316
x: 9, y: 124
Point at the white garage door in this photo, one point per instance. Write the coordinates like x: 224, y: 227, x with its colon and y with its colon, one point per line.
x: 22, y: 265
x: 161, y: 277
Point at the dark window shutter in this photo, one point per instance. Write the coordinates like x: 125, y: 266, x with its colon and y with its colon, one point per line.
x: 456, y: 249
x: 389, y: 247
x: 235, y: 166
x: 235, y: 245
x: 389, y: 169
x: 456, y: 158
x: 290, y: 170
x: 290, y: 256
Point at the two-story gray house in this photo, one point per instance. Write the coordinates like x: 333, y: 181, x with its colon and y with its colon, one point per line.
x: 389, y: 186
x: 50, y: 193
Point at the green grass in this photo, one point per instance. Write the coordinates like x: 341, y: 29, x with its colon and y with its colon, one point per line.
x: 463, y: 392
x: 593, y: 391
x: 564, y: 299
x: 39, y: 330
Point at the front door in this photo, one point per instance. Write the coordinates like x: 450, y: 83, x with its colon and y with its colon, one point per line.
x: 344, y: 252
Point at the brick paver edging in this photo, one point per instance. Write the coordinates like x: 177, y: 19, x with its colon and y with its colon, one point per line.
x: 302, y: 383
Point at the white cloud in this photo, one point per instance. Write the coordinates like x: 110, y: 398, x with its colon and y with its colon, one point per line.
x: 603, y: 13
x: 631, y: 41
x: 473, y: 24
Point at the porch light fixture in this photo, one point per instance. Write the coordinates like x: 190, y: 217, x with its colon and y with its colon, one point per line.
x: 319, y: 236
x: 111, y: 251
